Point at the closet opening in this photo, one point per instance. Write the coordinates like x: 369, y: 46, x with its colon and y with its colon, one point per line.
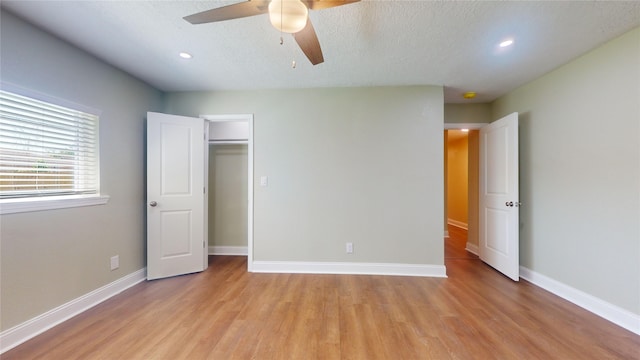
x: 229, y: 185
x: 227, y: 198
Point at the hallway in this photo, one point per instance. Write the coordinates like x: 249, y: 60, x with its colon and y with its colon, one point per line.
x: 454, y: 245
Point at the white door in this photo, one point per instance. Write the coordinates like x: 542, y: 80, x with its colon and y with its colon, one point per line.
x: 499, y: 197
x: 176, y: 199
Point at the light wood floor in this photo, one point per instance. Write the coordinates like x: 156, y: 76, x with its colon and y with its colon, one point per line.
x: 227, y: 313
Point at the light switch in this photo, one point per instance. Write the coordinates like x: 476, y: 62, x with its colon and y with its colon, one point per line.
x: 264, y: 181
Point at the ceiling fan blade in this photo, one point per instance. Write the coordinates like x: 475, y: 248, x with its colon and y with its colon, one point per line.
x: 308, y: 42
x: 234, y: 11
x: 325, y: 4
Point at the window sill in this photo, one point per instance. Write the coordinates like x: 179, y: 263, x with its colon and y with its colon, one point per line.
x: 14, y: 206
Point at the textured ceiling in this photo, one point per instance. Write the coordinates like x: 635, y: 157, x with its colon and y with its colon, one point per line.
x: 370, y: 43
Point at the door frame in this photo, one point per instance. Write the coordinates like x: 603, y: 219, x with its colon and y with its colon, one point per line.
x: 470, y: 126
x: 249, y: 119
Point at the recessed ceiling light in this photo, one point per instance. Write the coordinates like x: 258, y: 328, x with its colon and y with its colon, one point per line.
x: 185, y: 55
x: 465, y: 130
x: 506, y: 43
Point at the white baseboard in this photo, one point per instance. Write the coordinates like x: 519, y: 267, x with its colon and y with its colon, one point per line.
x: 458, y: 224
x: 228, y: 250
x: 613, y: 313
x: 349, y: 268
x: 15, y: 336
x: 472, y: 248
x: 446, y: 234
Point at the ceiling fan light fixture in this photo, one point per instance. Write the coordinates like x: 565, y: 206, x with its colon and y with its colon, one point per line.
x: 288, y: 16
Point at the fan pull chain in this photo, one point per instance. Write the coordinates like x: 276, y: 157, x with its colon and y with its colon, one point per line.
x: 293, y: 62
x: 281, y: 39
x: 293, y: 54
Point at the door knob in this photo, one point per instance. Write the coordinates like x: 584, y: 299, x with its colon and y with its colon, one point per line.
x: 509, y: 203
x: 153, y: 204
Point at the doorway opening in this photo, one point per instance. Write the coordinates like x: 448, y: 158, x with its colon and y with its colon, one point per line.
x: 493, y: 207
x: 461, y: 175
x: 178, y: 188
x: 230, y: 183
x: 228, y: 198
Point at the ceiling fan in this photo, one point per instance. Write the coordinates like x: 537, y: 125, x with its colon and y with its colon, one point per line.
x: 290, y: 16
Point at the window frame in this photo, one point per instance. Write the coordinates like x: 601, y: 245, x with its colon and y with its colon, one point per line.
x: 51, y: 202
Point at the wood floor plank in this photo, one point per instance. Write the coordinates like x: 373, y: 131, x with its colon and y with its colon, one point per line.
x: 228, y: 313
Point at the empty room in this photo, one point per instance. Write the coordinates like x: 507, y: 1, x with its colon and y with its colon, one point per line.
x: 281, y: 179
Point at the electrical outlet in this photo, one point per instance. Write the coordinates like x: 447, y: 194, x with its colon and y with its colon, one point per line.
x: 349, y: 248
x: 115, y: 262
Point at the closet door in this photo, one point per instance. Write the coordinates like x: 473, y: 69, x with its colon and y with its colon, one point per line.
x: 176, y: 199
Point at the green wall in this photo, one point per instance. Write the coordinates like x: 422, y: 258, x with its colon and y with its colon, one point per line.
x: 51, y: 257
x: 469, y: 113
x: 580, y: 172
x: 360, y: 165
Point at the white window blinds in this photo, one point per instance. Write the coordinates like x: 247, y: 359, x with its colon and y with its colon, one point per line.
x: 46, y: 149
